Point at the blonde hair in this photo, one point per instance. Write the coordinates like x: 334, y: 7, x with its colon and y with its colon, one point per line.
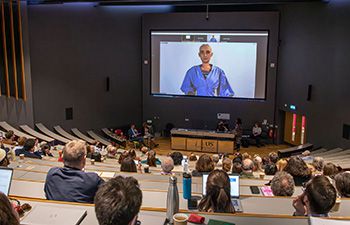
x: 73, y: 152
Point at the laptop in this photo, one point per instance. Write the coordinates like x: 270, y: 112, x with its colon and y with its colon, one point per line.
x: 5, y: 179
x: 234, y: 183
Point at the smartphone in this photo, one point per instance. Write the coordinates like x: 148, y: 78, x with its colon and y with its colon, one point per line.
x: 192, y: 204
x: 255, y: 190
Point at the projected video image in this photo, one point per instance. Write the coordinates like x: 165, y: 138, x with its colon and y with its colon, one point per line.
x: 210, y: 65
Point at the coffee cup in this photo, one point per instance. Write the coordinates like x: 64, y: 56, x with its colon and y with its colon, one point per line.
x: 180, y: 219
x: 146, y: 168
x: 92, y: 161
x: 262, y: 175
x: 21, y: 156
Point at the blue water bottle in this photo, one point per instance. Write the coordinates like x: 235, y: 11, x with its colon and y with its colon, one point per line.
x: 187, y: 185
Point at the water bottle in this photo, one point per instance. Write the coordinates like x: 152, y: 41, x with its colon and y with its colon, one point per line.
x: 172, y: 202
x: 187, y: 185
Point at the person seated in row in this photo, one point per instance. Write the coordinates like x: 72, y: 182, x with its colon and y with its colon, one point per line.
x: 236, y: 168
x: 317, y: 199
x: 298, y: 169
x: 20, y: 144
x: 134, y: 135
x: 330, y: 170
x: 270, y: 169
x: 28, y: 150
x: 247, y: 168
x: 177, y: 157
x: 70, y: 183
x: 128, y: 165
x: 148, y: 134
x: 226, y: 165
x: 9, y: 138
x: 282, y: 184
x: 205, y: 164
x: 318, y: 163
x: 256, y: 134
x: 118, y: 201
x: 8, y: 215
x: 217, y: 198
x: 342, y: 183
x: 45, y: 149
x: 3, y: 158
x: 167, y: 166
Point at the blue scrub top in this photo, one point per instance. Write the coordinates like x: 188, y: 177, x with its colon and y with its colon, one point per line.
x: 215, y: 84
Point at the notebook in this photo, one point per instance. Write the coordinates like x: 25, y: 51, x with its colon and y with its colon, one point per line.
x: 5, y: 179
x: 54, y: 215
x: 234, y: 185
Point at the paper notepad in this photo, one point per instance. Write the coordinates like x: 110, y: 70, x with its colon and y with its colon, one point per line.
x: 266, y: 191
x: 53, y: 215
x: 218, y: 222
x: 107, y: 174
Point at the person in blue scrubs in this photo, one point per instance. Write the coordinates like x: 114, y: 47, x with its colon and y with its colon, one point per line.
x: 206, y: 79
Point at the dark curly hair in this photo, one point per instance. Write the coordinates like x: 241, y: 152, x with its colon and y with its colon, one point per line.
x: 177, y: 157
x: 297, y: 167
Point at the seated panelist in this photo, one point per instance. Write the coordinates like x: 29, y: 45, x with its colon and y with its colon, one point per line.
x: 70, y: 183
x: 134, y: 135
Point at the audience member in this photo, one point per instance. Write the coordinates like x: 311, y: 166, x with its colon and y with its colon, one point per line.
x: 256, y: 134
x: 177, y: 157
x: 222, y: 126
x: 270, y: 169
x: 71, y: 183
x: 128, y: 165
x: 226, y: 165
x: 330, y: 170
x: 21, y: 141
x: 9, y: 138
x: 215, y: 158
x: 118, y: 201
x: 217, y: 198
x: 151, y: 159
x: 45, y: 150
x: 281, y: 164
x: 204, y: 164
x: 193, y: 157
x: 28, y: 150
x: 257, y: 163
x: 247, y: 168
x: 342, y: 183
x: 123, y: 156
x: 236, y: 168
x: 273, y: 157
x: 167, y: 166
x: 282, y: 184
x: 3, y: 158
x: 8, y: 216
x: 245, y: 156
x: 299, y: 170
x: 317, y: 199
x: 318, y: 163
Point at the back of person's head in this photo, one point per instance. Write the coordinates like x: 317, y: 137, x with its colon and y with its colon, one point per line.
x: 3, y: 158
x: 9, y: 134
x: 151, y: 159
x: 226, y: 165
x: 281, y: 164
x: 118, y: 201
x: 122, y: 156
x: 74, y: 154
x: 205, y: 163
x: 342, y: 182
x: 297, y: 167
x: 8, y: 216
x: 282, y: 184
x: 257, y: 162
x: 330, y: 170
x: 177, y: 157
x: 21, y: 141
x: 128, y: 165
x: 273, y: 156
x: 167, y: 164
x: 237, y: 159
x: 239, y: 121
x: 247, y: 165
x: 193, y: 157
x: 215, y: 158
x: 245, y: 156
x: 29, y: 144
x: 237, y: 168
x: 132, y: 153
x: 217, y: 198
x: 321, y: 195
x: 318, y: 163
x: 270, y: 169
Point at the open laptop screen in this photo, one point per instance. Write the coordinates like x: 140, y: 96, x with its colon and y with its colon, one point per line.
x: 234, y: 181
x: 5, y: 179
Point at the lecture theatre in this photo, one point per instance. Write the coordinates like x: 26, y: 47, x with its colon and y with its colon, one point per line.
x: 213, y: 112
